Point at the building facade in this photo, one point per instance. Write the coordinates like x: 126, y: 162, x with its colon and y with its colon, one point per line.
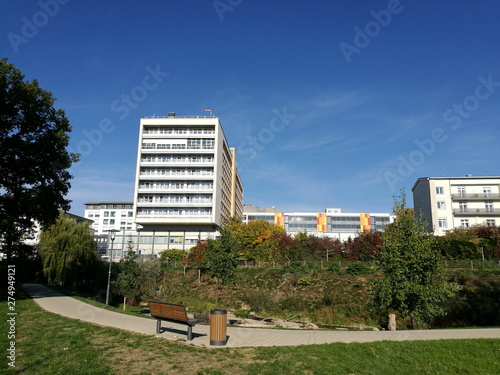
x: 106, y: 216
x: 186, y: 181
x: 331, y: 223
x: 452, y: 202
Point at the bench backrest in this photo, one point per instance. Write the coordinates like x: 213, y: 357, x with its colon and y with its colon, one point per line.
x: 168, y: 311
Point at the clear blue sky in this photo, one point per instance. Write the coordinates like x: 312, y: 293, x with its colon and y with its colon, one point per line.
x: 330, y: 103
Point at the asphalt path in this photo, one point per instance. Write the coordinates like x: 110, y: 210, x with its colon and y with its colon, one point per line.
x: 57, y: 303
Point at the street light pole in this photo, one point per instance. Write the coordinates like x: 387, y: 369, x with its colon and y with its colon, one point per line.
x: 112, y: 238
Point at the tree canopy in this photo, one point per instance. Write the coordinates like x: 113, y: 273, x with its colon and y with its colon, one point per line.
x: 34, y: 161
x: 68, y: 252
x: 413, y: 283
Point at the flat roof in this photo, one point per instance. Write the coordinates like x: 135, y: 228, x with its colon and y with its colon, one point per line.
x: 466, y: 177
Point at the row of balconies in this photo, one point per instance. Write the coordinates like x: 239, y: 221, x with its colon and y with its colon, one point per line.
x: 176, y: 178
x: 176, y: 173
x: 180, y: 151
x: 477, y: 196
x: 476, y: 211
x: 183, y: 161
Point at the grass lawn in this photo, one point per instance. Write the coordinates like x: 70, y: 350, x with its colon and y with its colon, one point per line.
x: 50, y: 344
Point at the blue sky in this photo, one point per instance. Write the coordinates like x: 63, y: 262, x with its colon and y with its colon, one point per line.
x: 329, y: 103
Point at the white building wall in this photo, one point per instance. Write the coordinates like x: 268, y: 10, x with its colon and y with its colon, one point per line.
x: 110, y: 216
x: 452, y: 202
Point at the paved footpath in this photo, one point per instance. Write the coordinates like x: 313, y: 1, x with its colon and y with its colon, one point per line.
x: 57, y: 303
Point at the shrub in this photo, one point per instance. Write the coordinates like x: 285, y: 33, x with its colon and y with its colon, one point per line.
x: 358, y: 269
x: 333, y: 267
x: 304, y: 281
x: 259, y: 300
x: 173, y: 255
x: 300, y: 267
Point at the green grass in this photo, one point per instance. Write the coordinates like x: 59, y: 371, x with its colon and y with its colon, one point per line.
x: 50, y: 344
x: 417, y: 357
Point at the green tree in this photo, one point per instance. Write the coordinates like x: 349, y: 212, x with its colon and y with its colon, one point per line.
x: 68, y: 252
x: 220, y: 258
x: 128, y: 282
x: 33, y: 157
x: 413, y: 283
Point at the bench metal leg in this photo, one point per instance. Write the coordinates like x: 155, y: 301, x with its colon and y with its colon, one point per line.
x: 158, y: 326
x: 190, y: 333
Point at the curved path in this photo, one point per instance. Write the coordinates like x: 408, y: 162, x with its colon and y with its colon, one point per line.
x: 57, y: 303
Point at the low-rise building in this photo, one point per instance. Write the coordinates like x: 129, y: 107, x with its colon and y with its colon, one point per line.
x: 453, y: 202
x: 331, y: 223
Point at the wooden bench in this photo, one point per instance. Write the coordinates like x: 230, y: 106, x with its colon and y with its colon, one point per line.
x: 171, y: 313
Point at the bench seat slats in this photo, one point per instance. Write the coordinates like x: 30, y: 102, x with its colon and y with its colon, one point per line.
x: 171, y: 312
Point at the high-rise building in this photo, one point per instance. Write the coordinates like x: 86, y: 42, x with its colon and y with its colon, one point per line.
x: 186, y: 180
x: 452, y: 202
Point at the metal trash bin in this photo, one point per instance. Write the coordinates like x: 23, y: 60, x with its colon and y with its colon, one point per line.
x: 218, y: 322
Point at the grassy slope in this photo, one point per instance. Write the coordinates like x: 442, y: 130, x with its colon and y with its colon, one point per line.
x: 51, y: 344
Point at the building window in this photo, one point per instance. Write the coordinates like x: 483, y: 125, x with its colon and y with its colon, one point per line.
x: 146, y: 239
x: 130, y: 214
x: 113, y: 213
x: 439, y: 190
x: 464, y: 223
x: 487, y: 190
x: 490, y: 222
x: 462, y: 206
x: 111, y: 221
x: 488, y: 206
x: 442, y: 223
x: 106, y: 213
x: 176, y: 239
x: 441, y: 205
x: 161, y: 239
x: 461, y: 191
x: 105, y: 222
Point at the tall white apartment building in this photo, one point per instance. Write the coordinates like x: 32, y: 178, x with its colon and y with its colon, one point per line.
x: 186, y: 181
x: 452, y: 202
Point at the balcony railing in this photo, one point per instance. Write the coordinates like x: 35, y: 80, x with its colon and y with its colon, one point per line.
x: 478, y: 196
x: 477, y: 212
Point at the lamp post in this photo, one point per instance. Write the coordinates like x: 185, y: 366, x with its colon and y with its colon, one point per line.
x: 112, y: 238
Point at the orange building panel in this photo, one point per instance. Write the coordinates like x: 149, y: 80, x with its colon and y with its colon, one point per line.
x: 279, y: 219
x: 364, y: 222
x: 321, y: 222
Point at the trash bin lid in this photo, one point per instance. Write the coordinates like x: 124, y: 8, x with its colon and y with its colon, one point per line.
x: 218, y: 312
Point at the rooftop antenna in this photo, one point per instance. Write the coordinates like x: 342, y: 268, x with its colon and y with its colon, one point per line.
x: 209, y: 110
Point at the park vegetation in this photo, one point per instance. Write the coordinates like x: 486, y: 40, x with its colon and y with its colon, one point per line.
x: 69, y: 253
x: 34, y: 160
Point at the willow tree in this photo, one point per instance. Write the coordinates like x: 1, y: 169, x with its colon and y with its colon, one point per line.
x: 34, y: 160
x: 413, y: 286
x: 68, y: 252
